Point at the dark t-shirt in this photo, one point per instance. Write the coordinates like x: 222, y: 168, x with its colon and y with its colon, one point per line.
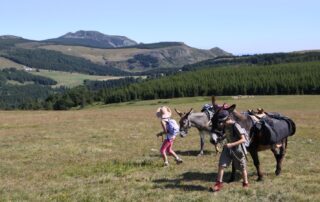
x: 233, y: 133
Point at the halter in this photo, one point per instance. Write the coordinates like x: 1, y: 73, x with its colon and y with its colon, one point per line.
x: 184, y: 131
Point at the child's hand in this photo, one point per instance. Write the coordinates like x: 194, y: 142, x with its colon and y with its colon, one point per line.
x: 228, y: 145
x: 159, y: 134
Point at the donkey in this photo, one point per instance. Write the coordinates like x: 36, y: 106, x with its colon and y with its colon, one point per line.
x: 256, y: 142
x: 198, y: 120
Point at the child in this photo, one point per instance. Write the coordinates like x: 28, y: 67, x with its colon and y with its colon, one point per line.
x: 232, y: 151
x: 171, y: 129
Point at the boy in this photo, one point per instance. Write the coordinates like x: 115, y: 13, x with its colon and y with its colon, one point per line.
x: 232, y: 151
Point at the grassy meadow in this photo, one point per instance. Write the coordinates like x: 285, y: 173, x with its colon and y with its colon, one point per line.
x: 70, y: 79
x: 111, y: 153
x: 67, y: 79
x: 97, y: 55
x: 5, y: 63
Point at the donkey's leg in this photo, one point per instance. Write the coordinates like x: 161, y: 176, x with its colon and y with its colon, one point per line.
x: 202, y: 136
x: 280, y: 155
x: 256, y: 162
x: 233, y: 173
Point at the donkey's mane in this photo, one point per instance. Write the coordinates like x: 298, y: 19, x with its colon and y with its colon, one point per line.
x: 238, y: 115
x: 197, y: 114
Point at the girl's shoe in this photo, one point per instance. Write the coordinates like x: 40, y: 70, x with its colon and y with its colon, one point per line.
x: 216, y: 187
x: 166, y: 164
x: 245, y: 185
x: 179, y: 160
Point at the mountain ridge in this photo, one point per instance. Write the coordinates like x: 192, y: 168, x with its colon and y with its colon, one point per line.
x: 94, y: 38
x: 115, y: 51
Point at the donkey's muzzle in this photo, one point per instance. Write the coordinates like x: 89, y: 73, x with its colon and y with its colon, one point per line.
x: 183, y: 134
x: 214, y: 139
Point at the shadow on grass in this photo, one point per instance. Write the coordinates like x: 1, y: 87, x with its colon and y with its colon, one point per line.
x: 179, y: 183
x: 185, y: 187
x: 187, y: 153
x: 193, y: 152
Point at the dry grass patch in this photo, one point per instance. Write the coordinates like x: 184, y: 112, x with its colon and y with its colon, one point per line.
x: 6, y: 63
x: 97, y: 55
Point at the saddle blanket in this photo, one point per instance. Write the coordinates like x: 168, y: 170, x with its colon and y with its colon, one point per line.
x: 274, y: 128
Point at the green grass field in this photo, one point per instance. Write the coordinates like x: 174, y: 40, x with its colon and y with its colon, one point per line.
x: 63, y: 78
x: 111, y: 153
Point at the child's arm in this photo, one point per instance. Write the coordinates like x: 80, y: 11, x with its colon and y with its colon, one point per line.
x: 233, y: 144
x: 160, y: 134
x: 163, y: 124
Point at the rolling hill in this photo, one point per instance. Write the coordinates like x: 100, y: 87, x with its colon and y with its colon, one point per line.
x: 138, y: 59
x: 117, y: 52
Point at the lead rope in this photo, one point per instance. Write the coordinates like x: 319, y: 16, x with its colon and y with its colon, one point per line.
x: 245, y: 155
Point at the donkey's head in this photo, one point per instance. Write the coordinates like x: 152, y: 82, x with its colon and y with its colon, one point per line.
x: 184, y: 122
x: 220, y: 116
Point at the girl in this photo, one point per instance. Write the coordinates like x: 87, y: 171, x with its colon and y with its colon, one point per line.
x: 171, y: 129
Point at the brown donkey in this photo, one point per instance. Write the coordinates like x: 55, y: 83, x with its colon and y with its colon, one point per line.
x: 259, y: 140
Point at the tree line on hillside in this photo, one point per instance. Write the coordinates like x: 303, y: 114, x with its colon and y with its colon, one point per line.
x: 53, y: 60
x: 90, y: 92
x: 24, y: 96
x: 257, y: 59
x: 98, y: 85
x: 22, y: 77
x: 79, y: 96
x: 30, y: 96
x: 9, y: 43
x: 291, y: 78
x: 262, y: 79
x: 145, y: 61
x: 39, y: 94
x: 154, y: 45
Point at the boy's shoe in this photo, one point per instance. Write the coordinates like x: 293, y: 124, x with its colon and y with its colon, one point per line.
x: 166, y: 164
x: 216, y: 187
x: 179, y: 160
x: 245, y: 185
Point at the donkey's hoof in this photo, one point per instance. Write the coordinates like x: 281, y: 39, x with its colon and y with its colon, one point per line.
x: 277, y: 172
x: 231, y: 179
x: 260, y: 179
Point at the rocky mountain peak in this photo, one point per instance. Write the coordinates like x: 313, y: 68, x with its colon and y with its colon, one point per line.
x: 93, y: 37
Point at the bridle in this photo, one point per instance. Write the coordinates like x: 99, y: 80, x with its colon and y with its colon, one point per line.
x: 186, y: 127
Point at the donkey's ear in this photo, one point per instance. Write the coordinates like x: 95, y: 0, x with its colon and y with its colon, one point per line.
x: 216, y: 107
x: 191, y: 110
x: 178, y: 112
x: 231, y: 108
x: 213, y: 100
x: 214, y: 104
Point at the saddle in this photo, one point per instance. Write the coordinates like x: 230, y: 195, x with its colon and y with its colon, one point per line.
x: 209, y: 112
x: 256, y: 115
x: 274, y: 126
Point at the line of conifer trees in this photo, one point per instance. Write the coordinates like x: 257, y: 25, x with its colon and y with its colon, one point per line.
x: 54, y: 60
x: 291, y: 78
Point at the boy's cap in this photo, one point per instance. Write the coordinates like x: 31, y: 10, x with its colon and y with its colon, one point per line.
x: 223, y: 115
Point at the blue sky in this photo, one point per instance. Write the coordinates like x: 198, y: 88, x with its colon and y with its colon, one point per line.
x: 239, y: 27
